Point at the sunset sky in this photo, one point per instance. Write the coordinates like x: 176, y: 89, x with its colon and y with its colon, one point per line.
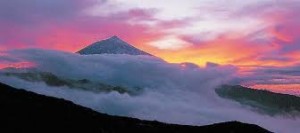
x: 257, y: 36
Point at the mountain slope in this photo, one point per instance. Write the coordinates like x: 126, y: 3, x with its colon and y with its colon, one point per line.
x: 261, y: 100
x: 57, y: 81
x: 113, y: 45
x: 23, y: 111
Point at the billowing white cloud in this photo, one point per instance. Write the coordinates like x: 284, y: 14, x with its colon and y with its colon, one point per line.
x: 176, y: 93
x: 125, y: 70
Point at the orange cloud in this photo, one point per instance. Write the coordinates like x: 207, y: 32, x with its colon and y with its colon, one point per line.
x: 221, y: 51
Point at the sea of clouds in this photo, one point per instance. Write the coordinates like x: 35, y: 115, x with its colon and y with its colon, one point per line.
x: 175, y: 93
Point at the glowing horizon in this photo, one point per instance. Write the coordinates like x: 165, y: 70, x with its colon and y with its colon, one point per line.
x: 257, y: 36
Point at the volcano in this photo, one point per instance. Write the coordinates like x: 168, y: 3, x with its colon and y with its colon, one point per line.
x: 112, y: 45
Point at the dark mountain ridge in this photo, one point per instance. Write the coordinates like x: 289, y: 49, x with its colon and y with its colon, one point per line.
x: 262, y: 101
x: 23, y: 111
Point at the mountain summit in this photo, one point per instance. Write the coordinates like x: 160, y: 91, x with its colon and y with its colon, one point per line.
x: 112, y: 45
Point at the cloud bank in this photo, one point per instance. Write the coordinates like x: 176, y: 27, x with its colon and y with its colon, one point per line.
x: 177, y: 93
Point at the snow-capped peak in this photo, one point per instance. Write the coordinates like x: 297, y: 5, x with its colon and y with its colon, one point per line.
x: 116, y: 38
x: 112, y: 45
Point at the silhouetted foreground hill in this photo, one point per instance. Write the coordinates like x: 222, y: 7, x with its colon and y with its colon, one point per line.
x: 23, y: 111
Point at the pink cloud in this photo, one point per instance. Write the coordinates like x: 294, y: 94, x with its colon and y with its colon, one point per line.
x: 63, y: 25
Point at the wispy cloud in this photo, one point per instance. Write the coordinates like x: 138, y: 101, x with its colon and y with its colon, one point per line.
x: 241, y: 33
